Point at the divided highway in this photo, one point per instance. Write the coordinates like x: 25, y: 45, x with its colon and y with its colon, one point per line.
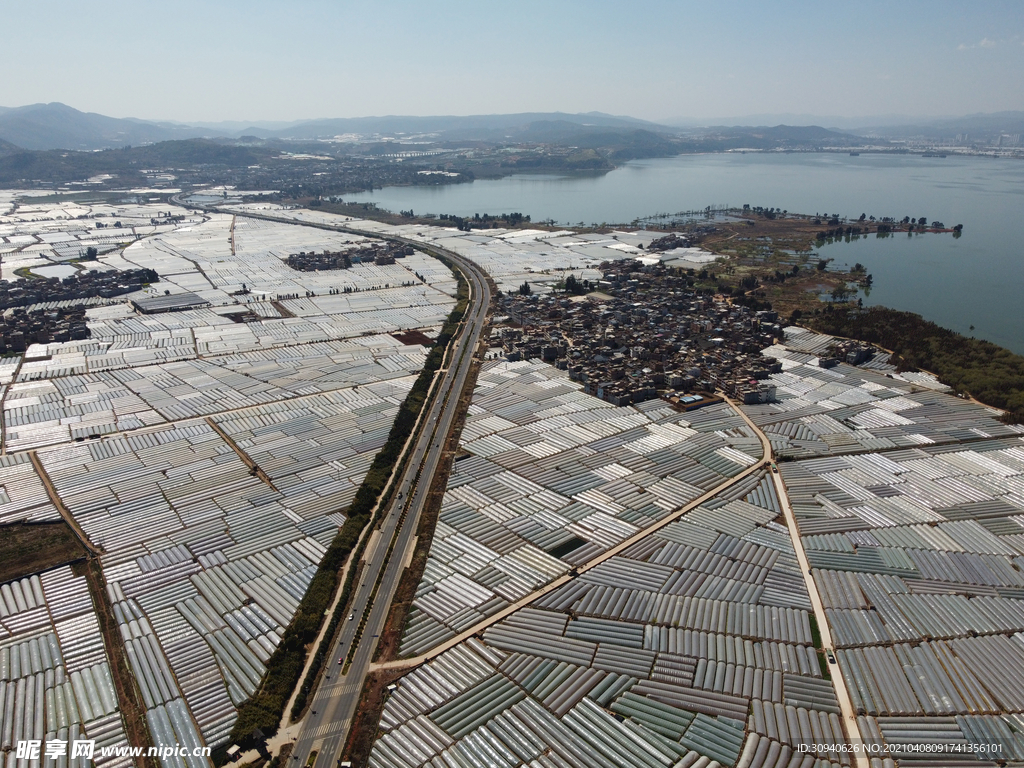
x: 326, y: 725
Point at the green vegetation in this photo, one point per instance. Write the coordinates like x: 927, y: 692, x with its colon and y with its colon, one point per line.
x: 32, y: 547
x: 826, y: 672
x: 60, y: 165
x: 476, y: 221
x: 265, y: 709
x: 577, y: 287
x: 816, y: 641
x: 815, y: 631
x: 987, y: 372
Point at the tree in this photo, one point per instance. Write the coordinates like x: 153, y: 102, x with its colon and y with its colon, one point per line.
x: 525, y: 289
x: 822, y: 264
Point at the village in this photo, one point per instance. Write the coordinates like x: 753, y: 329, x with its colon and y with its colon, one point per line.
x: 647, y: 333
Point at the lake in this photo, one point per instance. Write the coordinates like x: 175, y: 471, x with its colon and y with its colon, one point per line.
x: 975, y: 280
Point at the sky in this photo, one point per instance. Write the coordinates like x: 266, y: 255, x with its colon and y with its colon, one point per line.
x: 659, y: 60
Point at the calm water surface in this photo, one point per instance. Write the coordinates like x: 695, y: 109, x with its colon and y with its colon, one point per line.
x: 976, y: 280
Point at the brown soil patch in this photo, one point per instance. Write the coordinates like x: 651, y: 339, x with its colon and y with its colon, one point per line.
x: 414, y: 337
x: 363, y: 731
x: 33, y: 547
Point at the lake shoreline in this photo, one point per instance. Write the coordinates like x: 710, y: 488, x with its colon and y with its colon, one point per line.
x: 958, y: 283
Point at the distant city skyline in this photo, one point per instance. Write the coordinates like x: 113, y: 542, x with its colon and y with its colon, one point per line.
x: 670, y: 62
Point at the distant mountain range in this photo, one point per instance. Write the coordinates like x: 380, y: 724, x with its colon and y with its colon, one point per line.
x: 983, y: 126
x: 802, y: 134
x: 979, y: 126
x: 452, y: 128
x: 58, y: 126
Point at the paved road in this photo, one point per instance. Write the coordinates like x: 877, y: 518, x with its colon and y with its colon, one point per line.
x: 326, y: 726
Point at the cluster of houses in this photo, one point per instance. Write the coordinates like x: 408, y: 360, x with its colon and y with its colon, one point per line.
x: 381, y: 254
x: 646, y: 334
x: 20, y: 328
x: 83, y: 285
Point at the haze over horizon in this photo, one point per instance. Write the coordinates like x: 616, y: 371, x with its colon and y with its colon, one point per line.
x: 668, y: 62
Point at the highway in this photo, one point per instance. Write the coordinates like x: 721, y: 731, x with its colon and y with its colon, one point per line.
x: 325, y: 727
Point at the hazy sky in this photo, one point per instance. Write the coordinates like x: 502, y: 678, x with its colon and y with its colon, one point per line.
x: 260, y: 60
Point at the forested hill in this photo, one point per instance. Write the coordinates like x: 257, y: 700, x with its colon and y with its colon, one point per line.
x: 56, y: 165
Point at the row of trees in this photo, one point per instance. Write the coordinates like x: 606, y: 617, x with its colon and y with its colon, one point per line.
x: 483, y: 221
x: 576, y: 287
x: 767, y: 213
x: 264, y: 710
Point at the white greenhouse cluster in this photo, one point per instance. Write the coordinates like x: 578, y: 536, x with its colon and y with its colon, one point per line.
x: 149, y: 432
x: 692, y: 647
x: 653, y: 609
x: 55, y: 679
x: 553, y: 470
x: 539, y: 257
x: 918, y: 554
